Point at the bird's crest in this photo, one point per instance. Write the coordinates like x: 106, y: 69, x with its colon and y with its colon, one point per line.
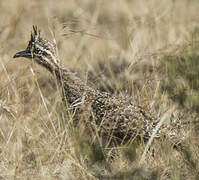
x: 35, y: 34
x: 41, y: 50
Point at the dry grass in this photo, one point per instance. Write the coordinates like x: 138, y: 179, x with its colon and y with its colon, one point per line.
x: 115, y: 46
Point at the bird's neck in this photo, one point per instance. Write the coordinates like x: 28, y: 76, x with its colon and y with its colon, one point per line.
x: 73, y: 88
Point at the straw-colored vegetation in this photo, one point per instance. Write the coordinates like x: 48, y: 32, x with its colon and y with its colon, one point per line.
x: 145, y: 50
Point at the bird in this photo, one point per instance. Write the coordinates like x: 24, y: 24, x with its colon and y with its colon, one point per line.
x: 111, y: 117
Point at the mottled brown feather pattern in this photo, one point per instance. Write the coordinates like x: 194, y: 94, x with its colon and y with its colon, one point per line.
x: 112, y: 115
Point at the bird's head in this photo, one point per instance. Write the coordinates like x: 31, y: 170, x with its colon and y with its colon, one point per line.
x: 40, y: 50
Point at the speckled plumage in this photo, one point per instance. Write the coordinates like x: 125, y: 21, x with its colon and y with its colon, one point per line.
x: 113, y: 116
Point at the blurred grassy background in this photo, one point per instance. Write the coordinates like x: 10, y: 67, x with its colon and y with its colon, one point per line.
x: 144, y: 50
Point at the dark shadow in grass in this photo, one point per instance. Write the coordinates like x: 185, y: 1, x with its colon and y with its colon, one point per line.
x: 134, y: 174
x: 129, y: 152
x: 181, y: 80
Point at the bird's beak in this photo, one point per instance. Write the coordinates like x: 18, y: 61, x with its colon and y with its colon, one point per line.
x: 25, y: 54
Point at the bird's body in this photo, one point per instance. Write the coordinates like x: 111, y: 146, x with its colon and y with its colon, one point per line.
x: 113, y: 116
x: 116, y: 117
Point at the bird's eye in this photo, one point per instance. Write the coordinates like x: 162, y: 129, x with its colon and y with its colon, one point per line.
x: 38, y: 50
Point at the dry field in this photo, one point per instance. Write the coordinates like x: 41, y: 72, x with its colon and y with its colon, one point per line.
x: 114, y: 46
